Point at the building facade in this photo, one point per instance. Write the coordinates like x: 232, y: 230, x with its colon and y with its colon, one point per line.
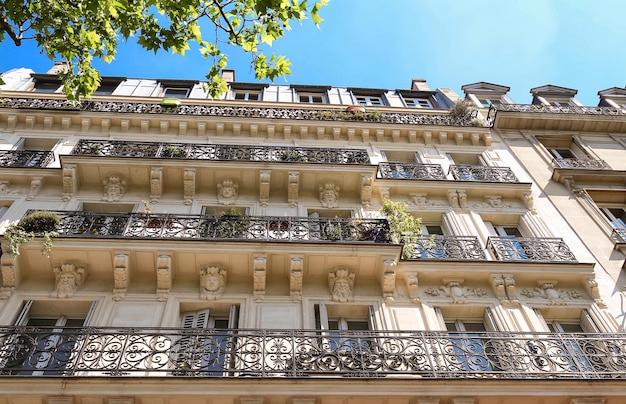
x: 233, y: 251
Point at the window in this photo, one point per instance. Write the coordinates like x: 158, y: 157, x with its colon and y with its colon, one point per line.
x: 247, y: 95
x: 367, y: 100
x: 108, y: 85
x: 561, y: 154
x: 467, y: 340
x: 176, y: 92
x: 616, y: 216
x: 312, y: 98
x: 47, y: 348
x: 46, y: 86
x: 566, y: 352
x: 207, y: 353
x: 485, y: 102
x: 418, y: 103
x: 344, y: 328
x: 508, y: 245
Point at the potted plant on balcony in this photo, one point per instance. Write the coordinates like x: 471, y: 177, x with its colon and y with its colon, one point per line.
x: 232, y: 224
x: 41, y: 223
x: 404, y: 228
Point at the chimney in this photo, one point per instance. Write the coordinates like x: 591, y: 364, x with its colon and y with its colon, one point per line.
x: 59, y: 67
x: 228, y: 75
x: 419, y: 85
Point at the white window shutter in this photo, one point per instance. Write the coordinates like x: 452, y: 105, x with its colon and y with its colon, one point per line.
x: 195, y: 319
x: 587, y: 322
x: 22, y: 318
x: 490, y: 321
x: 233, y: 317
x: 127, y: 87
x: 323, y: 316
x: 90, y: 313
x: 371, y: 318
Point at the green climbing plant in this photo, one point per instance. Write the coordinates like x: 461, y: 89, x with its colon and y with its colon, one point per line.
x: 404, y: 228
x: 41, y: 223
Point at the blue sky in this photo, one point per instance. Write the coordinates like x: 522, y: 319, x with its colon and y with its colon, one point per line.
x: 385, y: 43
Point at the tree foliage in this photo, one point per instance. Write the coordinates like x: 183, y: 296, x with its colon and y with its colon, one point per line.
x: 79, y: 31
x: 404, y: 228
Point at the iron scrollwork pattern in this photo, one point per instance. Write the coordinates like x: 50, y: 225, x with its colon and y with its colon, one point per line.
x: 537, y: 249
x: 580, y: 163
x: 183, y: 352
x: 106, y: 148
x: 438, y: 247
x: 463, y: 172
x: 220, y: 227
x: 413, y: 171
x: 238, y: 111
x: 26, y: 158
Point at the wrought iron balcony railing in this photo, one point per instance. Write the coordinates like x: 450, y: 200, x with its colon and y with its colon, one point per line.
x: 239, y: 111
x: 25, y: 158
x: 111, y: 148
x: 224, y: 227
x: 553, y: 109
x: 530, y: 249
x: 413, y: 171
x: 580, y: 163
x: 205, y: 353
x: 619, y: 236
x: 438, y: 247
x: 464, y: 172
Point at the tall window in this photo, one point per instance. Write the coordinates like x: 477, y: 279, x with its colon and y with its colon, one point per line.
x: 47, y: 348
x: 507, y: 241
x: 345, y: 327
x: 616, y: 216
x: 207, y: 353
x: 467, y: 340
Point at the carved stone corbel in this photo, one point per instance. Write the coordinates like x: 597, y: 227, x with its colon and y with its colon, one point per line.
x: 504, y: 288
x: 163, y: 276
x: 295, y: 278
x: 121, y: 274
x: 35, y: 186
x: 366, y: 190
x: 293, y: 188
x: 264, y: 187
x: 412, y: 284
x: 189, y: 185
x: 591, y: 286
x: 388, y: 280
x: 69, y: 182
x: 156, y: 184
x: 260, y: 270
x: 10, y: 274
x: 462, y: 198
x: 453, y: 198
x: 384, y: 193
x: 68, y: 278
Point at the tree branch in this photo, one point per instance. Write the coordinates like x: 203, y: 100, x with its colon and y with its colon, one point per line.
x: 6, y: 27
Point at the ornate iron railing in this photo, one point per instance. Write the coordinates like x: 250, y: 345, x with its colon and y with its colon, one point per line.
x: 224, y: 227
x: 438, y: 247
x: 552, y: 109
x: 176, y: 352
x: 225, y: 152
x: 580, y: 163
x: 238, y: 111
x: 619, y: 236
x: 530, y: 249
x: 26, y: 158
x: 413, y: 171
x: 464, y: 172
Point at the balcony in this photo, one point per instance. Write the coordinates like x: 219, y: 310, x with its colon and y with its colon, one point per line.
x: 530, y: 249
x: 106, y: 148
x: 412, y: 171
x: 446, y: 248
x: 25, y: 158
x: 210, y: 353
x: 224, y: 227
x: 482, y: 173
x: 270, y: 111
x: 580, y: 164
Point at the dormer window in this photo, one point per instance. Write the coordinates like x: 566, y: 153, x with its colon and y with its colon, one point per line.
x: 418, y: 103
x: 247, y: 95
x: 177, y: 88
x: 369, y: 100
x: 108, y: 85
x: 312, y: 98
x: 46, y: 83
